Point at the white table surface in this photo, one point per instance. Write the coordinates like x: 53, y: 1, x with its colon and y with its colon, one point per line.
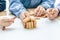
x: 46, y: 30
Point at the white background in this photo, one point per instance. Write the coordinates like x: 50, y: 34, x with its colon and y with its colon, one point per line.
x: 46, y: 30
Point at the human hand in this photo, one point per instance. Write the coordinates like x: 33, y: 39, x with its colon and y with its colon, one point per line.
x: 52, y: 13
x: 39, y: 11
x: 5, y: 22
x: 28, y: 22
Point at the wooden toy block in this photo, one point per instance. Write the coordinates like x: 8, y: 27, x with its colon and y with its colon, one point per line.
x: 30, y: 23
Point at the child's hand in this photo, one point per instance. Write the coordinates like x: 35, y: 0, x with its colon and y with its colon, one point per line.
x: 27, y: 21
x: 5, y: 21
x: 39, y: 11
x: 52, y: 13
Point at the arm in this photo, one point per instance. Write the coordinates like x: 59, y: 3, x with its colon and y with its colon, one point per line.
x: 48, y: 3
x: 58, y: 6
x: 16, y: 7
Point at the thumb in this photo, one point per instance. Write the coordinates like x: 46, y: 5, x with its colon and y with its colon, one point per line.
x: 12, y: 19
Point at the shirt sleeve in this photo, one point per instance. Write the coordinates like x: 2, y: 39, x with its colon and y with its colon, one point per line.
x: 58, y: 6
x: 47, y: 3
x: 16, y: 7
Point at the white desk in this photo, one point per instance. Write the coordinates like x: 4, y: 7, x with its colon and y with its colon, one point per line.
x: 46, y: 30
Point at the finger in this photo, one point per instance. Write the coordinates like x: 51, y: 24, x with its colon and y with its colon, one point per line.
x: 36, y: 10
x: 27, y: 14
x: 33, y: 19
x: 5, y: 19
x: 8, y: 20
x: 54, y: 13
x: 22, y: 16
x: 51, y: 17
x: 51, y: 13
x: 32, y: 13
x: 12, y: 19
x: 5, y: 24
x: 41, y: 12
x: 26, y: 19
x: 55, y: 10
x: 8, y: 23
x: 38, y: 14
x: 49, y: 10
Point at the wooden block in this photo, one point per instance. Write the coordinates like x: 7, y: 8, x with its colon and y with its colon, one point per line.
x: 30, y: 23
x: 27, y: 25
x: 34, y: 23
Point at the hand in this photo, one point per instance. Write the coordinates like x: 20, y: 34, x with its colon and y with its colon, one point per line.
x: 52, y: 13
x: 39, y: 11
x: 28, y: 21
x: 23, y: 15
x: 5, y: 21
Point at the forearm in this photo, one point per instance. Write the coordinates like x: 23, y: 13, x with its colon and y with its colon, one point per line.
x: 47, y: 3
x: 16, y: 7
